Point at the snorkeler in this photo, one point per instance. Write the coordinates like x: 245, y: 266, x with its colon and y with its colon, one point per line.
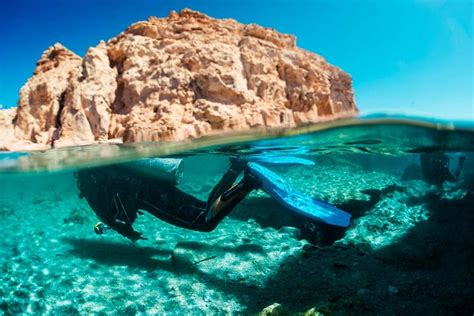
x: 435, y: 168
x: 117, y: 195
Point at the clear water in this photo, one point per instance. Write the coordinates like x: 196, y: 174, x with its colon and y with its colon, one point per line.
x: 408, y: 250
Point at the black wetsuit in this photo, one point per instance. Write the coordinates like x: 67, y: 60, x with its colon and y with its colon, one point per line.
x: 116, y: 195
x: 435, y: 168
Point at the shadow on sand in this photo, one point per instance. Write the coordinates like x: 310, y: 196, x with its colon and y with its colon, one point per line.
x: 428, y: 271
x: 140, y: 257
x: 114, y: 253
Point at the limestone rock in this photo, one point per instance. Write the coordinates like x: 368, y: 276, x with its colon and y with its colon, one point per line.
x: 42, y: 97
x: 85, y: 117
x: 175, y: 78
x: 6, y: 127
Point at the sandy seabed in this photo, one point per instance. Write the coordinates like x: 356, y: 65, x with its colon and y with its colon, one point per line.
x: 409, y: 250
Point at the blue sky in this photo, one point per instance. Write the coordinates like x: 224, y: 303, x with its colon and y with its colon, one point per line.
x: 414, y: 56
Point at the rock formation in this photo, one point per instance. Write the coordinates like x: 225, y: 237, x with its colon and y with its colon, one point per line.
x: 179, y: 77
x: 7, y: 138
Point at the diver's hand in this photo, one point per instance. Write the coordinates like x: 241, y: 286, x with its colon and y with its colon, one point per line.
x: 127, y: 230
x: 131, y: 234
x: 121, y: 228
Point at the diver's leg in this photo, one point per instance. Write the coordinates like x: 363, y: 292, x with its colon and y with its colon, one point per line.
x: 181, y: 209
x: 457, y: 173
x: 225, y: 203
x: 228, y: 179
x: 172, y: 205
x: 452, y: 177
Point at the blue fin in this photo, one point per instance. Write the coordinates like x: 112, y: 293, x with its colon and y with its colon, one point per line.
x: 280, y: 160
x: 296, y: 201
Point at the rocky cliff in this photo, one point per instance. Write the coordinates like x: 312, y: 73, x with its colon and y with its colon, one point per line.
x: 179, y: 77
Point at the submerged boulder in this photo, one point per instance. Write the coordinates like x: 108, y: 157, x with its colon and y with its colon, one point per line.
x: 175, y: 78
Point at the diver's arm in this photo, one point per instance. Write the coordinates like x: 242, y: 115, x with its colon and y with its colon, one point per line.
x: 108, y: 194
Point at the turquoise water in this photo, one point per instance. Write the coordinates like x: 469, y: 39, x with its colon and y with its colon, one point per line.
x: 408, y: 250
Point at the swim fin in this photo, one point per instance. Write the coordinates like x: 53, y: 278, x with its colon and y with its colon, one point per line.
x: 279, y: 160
x: 295, y: 201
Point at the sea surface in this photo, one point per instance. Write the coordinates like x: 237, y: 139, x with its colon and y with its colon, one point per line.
x: 408, y: 250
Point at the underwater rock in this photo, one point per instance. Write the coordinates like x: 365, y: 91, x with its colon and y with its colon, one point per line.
x: 362, y: 291
x: 175, y: 78
x: 392, y: 290
x: 275, y: 309
x: 312, y: 312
